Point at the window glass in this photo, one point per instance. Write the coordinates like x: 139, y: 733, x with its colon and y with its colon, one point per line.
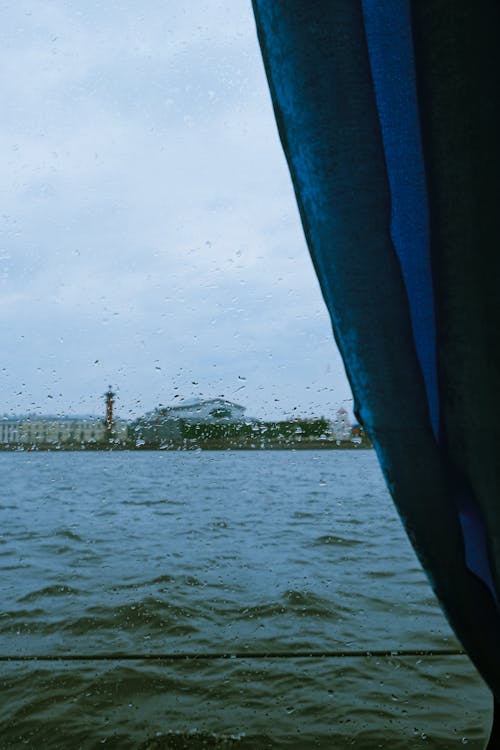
x: 181, y: 469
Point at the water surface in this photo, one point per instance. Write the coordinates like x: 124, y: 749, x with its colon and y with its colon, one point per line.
x: 235, y: 552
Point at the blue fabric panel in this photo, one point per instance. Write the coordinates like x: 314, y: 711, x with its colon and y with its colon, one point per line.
x: 457, y: 63
x: 390, y: 47
x: 476, y: 541
x: 328, y: 118
x: 343, y: 167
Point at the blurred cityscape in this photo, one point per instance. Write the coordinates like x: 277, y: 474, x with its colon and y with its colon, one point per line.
x: 211, y: 424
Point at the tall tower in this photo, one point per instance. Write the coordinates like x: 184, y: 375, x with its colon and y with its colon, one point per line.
x: 108, y: 422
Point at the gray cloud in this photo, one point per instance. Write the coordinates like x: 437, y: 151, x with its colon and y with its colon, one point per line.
x: 150, y: 237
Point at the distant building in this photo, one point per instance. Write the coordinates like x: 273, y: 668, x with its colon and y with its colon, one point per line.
x: 33, y: 430
x: 211, y: 410
x: 357, y: 433
x: 341, y: 426
x: 359, y: 436
x: 165, y: 423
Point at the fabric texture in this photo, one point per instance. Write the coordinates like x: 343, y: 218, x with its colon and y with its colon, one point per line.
x: 388, y: 117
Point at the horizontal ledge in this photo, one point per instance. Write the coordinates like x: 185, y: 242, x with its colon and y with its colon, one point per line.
x: 236, y: 655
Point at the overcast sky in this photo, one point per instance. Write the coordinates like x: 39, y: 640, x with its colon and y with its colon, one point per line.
x: 150, y: 238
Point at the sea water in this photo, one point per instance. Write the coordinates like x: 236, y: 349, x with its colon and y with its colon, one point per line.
x: 109, y: 558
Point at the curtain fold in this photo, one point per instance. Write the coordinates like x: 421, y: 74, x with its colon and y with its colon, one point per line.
x: 393, y: 152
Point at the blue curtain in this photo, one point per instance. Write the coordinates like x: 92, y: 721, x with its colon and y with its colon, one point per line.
x: 388, y: 114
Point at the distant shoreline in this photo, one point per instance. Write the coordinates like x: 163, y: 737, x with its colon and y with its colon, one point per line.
x: 208, y: 446
x: 213, y: 431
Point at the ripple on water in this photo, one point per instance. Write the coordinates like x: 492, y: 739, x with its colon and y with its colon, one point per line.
x: 298, y: 603
x: 255, y: 585
x: 157, y: 615
x: 137, y: 583
x: 195, y: 741
x: 69, y: 534
x: 380, y: 574
x: 337, y: 541
x: 55, y: 590
x: 301, y: 514
x: 306, y: 603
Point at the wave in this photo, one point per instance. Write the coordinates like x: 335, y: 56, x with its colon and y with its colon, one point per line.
x: 160, y: 617
x: 54, y: 590
x: 295, y: 602
x: 149, y: 503
x: 338, y: 541
x: 196, y: 741
x: 164, y: 578
x: 68, y: 534
x: 27, y: 622
x: 380, y: 573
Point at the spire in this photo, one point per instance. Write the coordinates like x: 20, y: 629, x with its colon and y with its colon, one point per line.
x: 110, y: 400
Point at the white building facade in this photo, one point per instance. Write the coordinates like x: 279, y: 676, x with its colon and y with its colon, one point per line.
x: 35, y: 430
x: 341, y: 426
